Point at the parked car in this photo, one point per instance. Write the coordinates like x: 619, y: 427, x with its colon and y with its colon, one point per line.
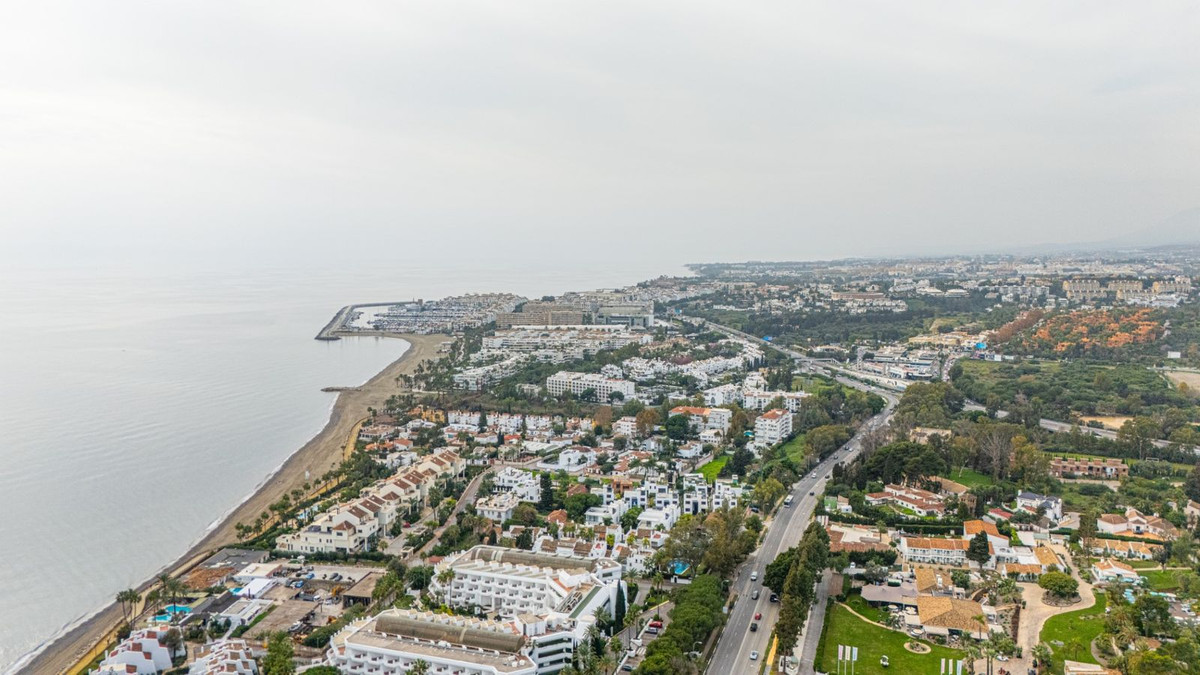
x: 754, y: 576
x: 754, y: 595
x: 655, y: 624
x: 753, y: 656
x: 774, y: 598
x: 753, y: 627
x: 758, y: 616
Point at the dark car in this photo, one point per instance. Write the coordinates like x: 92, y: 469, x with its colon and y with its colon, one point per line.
x: 774, y: 598
x: 753, y: 628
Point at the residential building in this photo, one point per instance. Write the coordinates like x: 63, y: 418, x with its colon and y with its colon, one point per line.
x: 1135, y: 523
x: 224, y: 657
x: 700, y: 419
x: 936, y: 551
x: 1108, y: 468
x: 577, y: 383
x: 772, y: 426
x: 1108, y: 570
x: 1032, y: 502
x: 392, y: 642
x: 942, y: 615
x: 526, y: 486
x: 144, y: 650
x: 511, y: 582
x: 626, y: 426
x: 1129, y: 550
x: 921, y: 502
x: 497, y: 508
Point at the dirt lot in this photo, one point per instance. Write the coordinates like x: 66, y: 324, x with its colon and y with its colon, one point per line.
x: 1192, y: 379
x: 1113, y: 422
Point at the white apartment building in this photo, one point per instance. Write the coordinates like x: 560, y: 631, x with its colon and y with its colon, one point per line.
x: 626, y: 426
x: 525, y: 485
x: 611, y: 512
x: 392, y: 642
x: 497, y: 508
x: 934, y: 551
x: 509, y: 582
x: 726, y: 493
x: 570, y: 460
x: 724, y: 394
x: 754, y: 399
x: 772, y: 426
x: 690, y: 450
x: 224, y: 657
x: 664, y: 516
x: 475, y: 379
x: 576, y: 383
x: 143, y: 650
x: 348, y: 527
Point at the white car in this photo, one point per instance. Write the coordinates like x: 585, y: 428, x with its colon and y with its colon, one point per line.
x: 753, y: 656
x: 754, y: 576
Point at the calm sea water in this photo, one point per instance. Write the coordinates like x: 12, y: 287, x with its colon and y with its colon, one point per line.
x: 136, y: 409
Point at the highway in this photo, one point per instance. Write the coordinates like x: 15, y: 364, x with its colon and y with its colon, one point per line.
x: 732, y: 654
x: 737, y: 642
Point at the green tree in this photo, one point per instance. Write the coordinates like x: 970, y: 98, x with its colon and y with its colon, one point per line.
x: 278, y: 660
x: 419, y: 576
x: 547, y: 485
x: 1152, y: 614
x: 1059, y: 584
x: 977, y: 550
x: 128, y: 599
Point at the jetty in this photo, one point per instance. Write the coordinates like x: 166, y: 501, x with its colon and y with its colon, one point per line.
x: 329, y: 331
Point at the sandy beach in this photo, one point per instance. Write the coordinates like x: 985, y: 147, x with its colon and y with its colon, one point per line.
x: 320, y: 454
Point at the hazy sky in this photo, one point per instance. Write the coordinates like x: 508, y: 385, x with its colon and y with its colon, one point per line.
x: 681, y: 131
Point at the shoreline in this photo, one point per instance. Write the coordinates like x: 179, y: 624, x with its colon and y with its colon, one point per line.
x: 63, y: 653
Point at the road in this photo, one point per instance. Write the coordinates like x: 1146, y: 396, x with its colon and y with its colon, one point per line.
x: 737, y: 642
x: 1065, y: 427
x: 784, y: 531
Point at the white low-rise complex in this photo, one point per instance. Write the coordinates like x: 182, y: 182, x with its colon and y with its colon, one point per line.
x: 565, y: 381
x: 509, y: 582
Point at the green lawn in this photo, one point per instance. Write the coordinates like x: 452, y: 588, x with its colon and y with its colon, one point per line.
x: 843, y: 628
x: 1075, y: 630
x: 796, y: 449
x: 855, y: 601
x: 711, y: 469
x: 970, y: 477
x: 1160, y: 580
x: 1142, y: 564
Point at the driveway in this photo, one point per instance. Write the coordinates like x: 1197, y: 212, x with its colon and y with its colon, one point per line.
x: 1035, y: 614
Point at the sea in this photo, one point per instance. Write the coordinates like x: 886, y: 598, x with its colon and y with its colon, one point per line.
x: 139, y: 406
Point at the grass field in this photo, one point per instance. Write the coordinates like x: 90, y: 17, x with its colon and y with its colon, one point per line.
x: 711, y: 469
x: 1075, y: 631
x: 969, y: 477
x: 1160, y: 580
x: 843, y: 628
x: 796, y: 449
x: 855, y: 601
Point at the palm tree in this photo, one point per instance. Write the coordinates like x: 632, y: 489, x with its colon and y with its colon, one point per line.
x: 129, y: 598
x: 1042, y: 653
x: 419, y: 667
x: 154, y: 598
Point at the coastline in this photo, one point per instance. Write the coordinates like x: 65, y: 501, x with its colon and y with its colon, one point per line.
x: 324, y: 451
